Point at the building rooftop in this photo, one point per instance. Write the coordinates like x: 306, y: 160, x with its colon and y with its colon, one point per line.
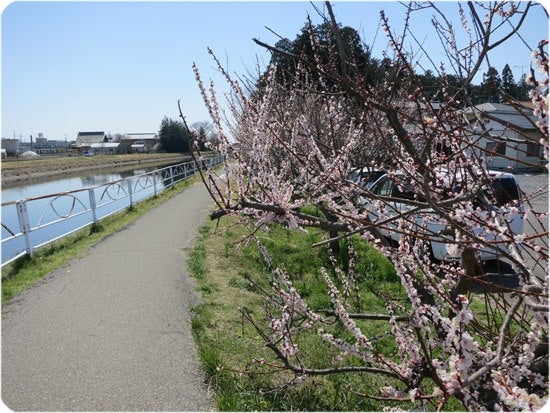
x: 519, y: 117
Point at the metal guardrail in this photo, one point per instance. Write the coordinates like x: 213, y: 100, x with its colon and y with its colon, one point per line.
x: 87, y: 205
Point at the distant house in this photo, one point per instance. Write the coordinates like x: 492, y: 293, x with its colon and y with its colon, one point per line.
x: 95, y: 142
x: 140, y: 142
x: 508, y: 136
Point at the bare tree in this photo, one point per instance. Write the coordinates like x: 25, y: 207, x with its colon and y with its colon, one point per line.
x: 296, y: 147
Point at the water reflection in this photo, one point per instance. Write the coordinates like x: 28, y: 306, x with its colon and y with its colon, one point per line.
x: 65, y: 184
x: 107, y: 199
x: 100, y: 179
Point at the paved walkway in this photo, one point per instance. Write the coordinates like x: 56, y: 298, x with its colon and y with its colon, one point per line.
x: 111, y: 331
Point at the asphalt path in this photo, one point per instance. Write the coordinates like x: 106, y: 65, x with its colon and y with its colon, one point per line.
x: 111, y: 331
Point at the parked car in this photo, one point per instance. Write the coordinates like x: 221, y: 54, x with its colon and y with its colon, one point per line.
x: 505, y: 190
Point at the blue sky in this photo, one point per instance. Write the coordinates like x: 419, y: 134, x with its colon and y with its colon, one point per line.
x: 121, y: 67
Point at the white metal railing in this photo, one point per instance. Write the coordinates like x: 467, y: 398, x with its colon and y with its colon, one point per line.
x: 58, y: 215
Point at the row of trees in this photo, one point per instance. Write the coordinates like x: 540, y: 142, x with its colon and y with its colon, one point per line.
x: 494, y: 87
x: 488, y: 90
x: 175, y: 137
x: 355, y: 59
x: 325, y: 102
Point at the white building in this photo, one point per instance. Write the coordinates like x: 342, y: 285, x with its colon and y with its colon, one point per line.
x: 509, y: 137
x: 140, y: 142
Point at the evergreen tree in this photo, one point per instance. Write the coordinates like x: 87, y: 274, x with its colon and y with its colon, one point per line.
x: 490, y: 86
x: 430, y: 83
x: 173, y: 137
x: 508, y: 83
x: 352, y: 59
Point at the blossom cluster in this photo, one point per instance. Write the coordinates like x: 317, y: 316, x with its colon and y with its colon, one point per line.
x: 297, y: 145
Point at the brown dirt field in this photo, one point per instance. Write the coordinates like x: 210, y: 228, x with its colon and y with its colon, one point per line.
x: 26, y: 170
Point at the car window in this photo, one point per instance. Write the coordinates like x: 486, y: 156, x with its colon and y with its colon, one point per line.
x: 382, y: 186
x: 505, y: 190
x: 363, y: 177
x: 502, y: 192
x: 386, y: 189
x: 373, y: 176
x: 403, y: 191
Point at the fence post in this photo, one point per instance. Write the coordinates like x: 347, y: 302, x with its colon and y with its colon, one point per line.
x: 24, y: 225
x: 129, y: 181
x: 155, y: 182
x: 91, y: 195
x: 171, y: 175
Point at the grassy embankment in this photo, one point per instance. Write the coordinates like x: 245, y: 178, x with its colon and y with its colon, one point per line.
x: 71, y: 161
x: 231, y: 280
x: 24, y: 169
x: 24, y: 272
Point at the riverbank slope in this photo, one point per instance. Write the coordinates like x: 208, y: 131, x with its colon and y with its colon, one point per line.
x: 21, y: 170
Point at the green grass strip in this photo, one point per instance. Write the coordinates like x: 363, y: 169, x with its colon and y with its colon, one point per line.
x: 230, y: 280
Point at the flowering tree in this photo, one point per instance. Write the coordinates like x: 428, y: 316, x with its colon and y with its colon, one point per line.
x: 297, y: 143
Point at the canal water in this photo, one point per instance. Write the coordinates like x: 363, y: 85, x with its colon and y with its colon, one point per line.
x: 40, y: 210
x: 55, y: 185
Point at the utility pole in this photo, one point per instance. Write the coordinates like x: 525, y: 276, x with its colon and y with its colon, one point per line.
x: 522, y: 71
